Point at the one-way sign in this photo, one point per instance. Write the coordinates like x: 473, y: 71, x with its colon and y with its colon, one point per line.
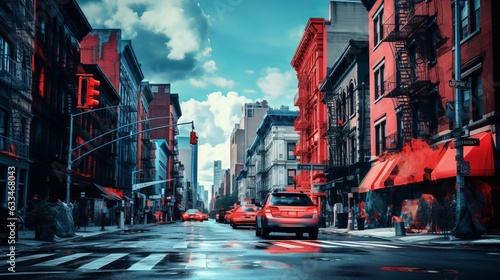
x: 311, y: 167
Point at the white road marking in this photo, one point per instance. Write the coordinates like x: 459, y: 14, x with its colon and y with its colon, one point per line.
x: 148, y: 262
x: 96, y: 264
x: 64, y: 259
x: 27, y: 258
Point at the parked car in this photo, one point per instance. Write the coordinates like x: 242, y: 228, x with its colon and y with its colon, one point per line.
x: 227, y: 216
x: 290, y: 212
x: 192, y: 215
x: 204, y: 216
x: 243, y: 215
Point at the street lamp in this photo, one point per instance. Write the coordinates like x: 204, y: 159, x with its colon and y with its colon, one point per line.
x: 133, y: 195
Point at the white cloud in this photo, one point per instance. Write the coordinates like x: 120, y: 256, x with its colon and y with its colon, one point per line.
x: 214, y: 120
x: 169, y: 18
x: 248, y: 90
x: 209, y: 66
x: 197, y: 83
x: 296, y: 33
x: 278, y: 86
x: 249, y: 72
x: 222, y: 82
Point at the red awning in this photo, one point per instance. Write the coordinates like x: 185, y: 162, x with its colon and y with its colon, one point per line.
x: 370, y: 177
x: 385, y: 172
x: 480, y: 158
x: 417, y: 159
x: 110, y: 193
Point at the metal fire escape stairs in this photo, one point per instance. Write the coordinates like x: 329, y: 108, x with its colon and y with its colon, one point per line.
x: 334, y: 136
x: 17, y: 76
x: 401, y: 28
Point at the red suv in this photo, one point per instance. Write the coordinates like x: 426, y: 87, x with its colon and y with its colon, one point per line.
x: 291, y: 212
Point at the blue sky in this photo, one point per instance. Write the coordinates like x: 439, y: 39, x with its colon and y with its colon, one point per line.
x: 217, y: 55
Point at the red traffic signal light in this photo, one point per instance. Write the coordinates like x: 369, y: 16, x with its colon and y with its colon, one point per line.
x: 193, y: 139
x: 92, y: 91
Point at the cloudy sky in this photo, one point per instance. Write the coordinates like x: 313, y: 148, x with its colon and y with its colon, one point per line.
x: 216, y: 54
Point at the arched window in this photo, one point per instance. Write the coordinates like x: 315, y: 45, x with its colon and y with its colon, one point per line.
x: 351, y: 99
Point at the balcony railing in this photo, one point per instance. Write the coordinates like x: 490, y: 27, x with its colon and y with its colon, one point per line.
x: 13, y: 74
x: 14, y: 148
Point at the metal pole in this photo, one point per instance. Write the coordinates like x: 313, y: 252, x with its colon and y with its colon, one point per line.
x: 460, y: 200
x: 70, y: 162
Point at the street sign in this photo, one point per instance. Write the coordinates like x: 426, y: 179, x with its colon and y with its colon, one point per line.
x: 459, y: 84
x: 311, y: 167
x: 469, y: 141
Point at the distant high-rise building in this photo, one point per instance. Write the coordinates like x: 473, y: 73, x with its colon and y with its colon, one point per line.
x: 243, y: 136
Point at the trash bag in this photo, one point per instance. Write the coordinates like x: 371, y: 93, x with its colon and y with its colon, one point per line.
x: 65, y: 226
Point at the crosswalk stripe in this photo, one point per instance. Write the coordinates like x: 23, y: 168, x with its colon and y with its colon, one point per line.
x: 315, y: 244
x: 286, y: 245
x: 197, y: 260
x: 96, y: 264
x: 62, y: 260
x: 340, y: 243
x: 148, y: 262
x: 31, y: 257
x: 181, y: 245
x: 373, y: 244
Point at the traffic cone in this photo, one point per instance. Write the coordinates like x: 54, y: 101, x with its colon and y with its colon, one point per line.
x: 350, y: 225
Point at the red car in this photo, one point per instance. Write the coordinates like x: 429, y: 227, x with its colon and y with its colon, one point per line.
x: 193, y: 215
x: 291, y: 212
x: 243, y: 216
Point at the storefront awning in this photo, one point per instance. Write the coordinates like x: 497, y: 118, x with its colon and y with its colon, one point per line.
x: 385, y: 172
x: 370, y: 177
x: 417, y: 159
x: 110, y: 193
x: 480, y: 158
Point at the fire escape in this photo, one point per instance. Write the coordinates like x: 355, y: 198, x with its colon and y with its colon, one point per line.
x: 15, y: 75
x: 335, y: 136
x: 405, y: 31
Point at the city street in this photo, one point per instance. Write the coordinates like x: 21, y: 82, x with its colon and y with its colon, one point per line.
x: 210, y: 250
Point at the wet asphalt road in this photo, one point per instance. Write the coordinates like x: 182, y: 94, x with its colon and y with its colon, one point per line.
x: 210, y: 250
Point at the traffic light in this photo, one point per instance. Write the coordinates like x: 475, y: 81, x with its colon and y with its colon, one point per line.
x: 193, y: 139
x: 82, y: 93
x: 92, y: 100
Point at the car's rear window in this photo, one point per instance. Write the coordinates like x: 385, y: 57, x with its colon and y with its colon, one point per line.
x: 291, y: 200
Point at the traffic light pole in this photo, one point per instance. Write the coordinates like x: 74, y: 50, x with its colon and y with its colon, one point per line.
x: 71, y: 149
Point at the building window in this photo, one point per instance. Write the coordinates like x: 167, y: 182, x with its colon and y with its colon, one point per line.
x: 473, y: 99
x: 470, y: 12
x: 289, y: 151
x: 379, y: 78
x: 291, y: 175
x: 351, y: 99
x: 432, y: 43
x: 3, y: 123
x: 380, y: 137
x: 352, y: 148
x: 378, y: 27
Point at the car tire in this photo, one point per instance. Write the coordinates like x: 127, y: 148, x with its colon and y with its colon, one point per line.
x: 233, y: 225
x: 257, y: 230
x: 313, y: 234
x: 265, y: 233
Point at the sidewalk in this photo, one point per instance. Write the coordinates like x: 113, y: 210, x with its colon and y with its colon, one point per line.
x: 422, y: 237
